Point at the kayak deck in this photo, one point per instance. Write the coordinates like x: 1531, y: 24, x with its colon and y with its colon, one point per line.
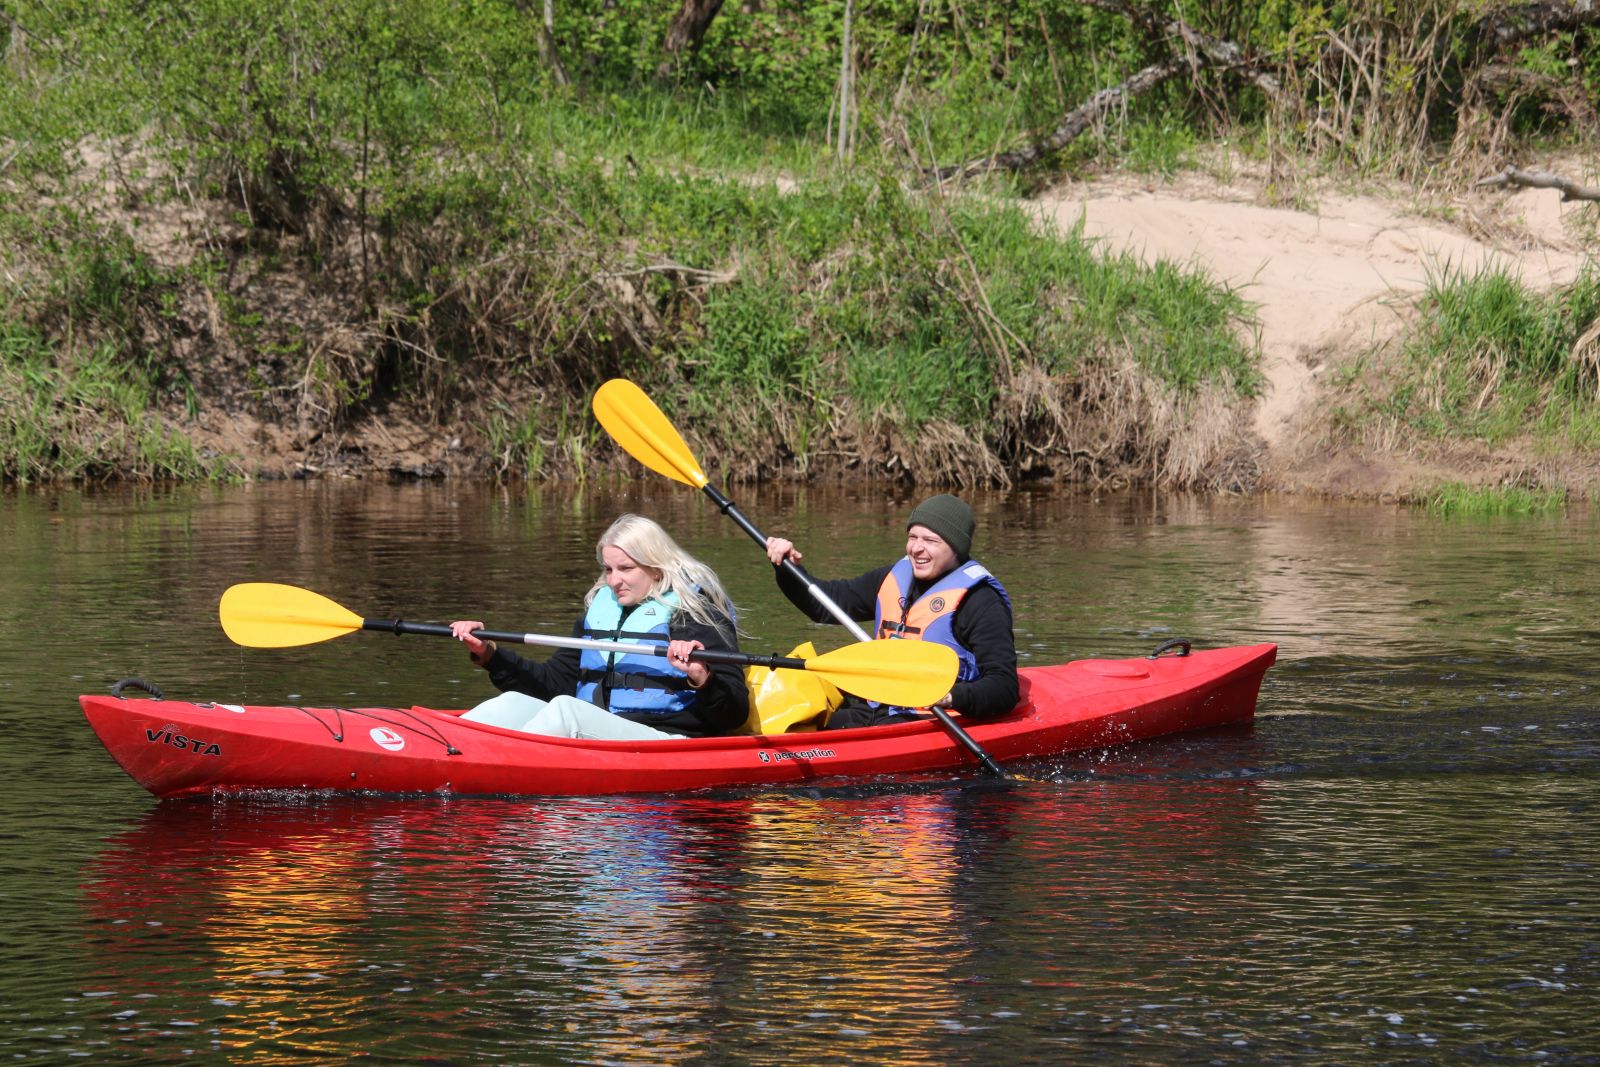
x: 174, y: 748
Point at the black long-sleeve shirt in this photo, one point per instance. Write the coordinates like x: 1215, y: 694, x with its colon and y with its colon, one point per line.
x: 982, y: 624
x: 720, y: 706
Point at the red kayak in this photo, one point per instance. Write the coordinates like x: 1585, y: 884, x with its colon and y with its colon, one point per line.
x: 175, y: 749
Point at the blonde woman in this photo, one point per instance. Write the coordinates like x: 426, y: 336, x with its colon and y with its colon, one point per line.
x: 649, y: 591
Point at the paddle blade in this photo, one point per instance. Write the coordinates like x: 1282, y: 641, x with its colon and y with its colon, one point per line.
x: 908, y: 674
x: 634, y: 422
x: 269, y: 615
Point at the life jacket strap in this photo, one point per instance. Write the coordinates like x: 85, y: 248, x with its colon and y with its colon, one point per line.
x: 621, y: 680
x: 898, y: 629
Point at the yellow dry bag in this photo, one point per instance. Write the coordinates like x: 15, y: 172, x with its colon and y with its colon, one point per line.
x: 784, y: 700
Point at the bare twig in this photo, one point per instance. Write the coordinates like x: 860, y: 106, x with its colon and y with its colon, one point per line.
x: 1072, y: 125
x: 1539, y: 179
x: 700, y: 274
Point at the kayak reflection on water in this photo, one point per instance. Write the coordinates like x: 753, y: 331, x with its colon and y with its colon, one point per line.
x: 645, y: 924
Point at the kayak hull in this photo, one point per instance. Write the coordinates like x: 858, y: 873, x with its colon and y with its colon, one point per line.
x: 175, y: 749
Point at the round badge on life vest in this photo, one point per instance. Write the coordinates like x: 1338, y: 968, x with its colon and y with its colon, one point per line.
x: 936, y: 604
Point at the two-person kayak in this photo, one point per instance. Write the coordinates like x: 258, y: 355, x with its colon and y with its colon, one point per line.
x: 175, y: 748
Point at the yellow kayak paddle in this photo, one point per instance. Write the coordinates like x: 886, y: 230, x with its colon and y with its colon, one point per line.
x: 905, y: 673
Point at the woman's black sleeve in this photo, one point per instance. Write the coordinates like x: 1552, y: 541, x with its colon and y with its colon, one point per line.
x: 556, y: 676
x: 723, y: 704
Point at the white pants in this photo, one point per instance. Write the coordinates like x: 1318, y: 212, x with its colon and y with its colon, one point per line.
x: 565, y: 716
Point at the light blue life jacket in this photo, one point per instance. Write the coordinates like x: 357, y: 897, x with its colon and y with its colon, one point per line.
x: 626, y: 681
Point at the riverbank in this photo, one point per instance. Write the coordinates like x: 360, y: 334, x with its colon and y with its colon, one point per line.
x: 252, y: 246
x: 1330, y: 281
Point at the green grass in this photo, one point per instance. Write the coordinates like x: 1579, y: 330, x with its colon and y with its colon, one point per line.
x: 91, y: 419
x: 1161, y: 147
x: 850, y: 290
x: 1489, y: 358
x: 536, y: 230
x: 1458, y: 500
x: 915, y: 304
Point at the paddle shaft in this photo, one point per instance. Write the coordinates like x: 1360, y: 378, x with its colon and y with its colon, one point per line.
x: 703, y: 655
x: 727, y: 507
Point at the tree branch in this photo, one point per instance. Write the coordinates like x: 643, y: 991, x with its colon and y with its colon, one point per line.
x: 1200, y: 51
x: 1514, y: 24
x: 545, y: 27
x: 1539, y: 179
x: 1072, y: 125
x: 685, y: 32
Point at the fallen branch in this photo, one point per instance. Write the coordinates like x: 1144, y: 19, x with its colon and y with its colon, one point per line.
x: 1200, y: 51
x: 677, y: 270
x: 1539, y: 179
x: 1513, y: 24
x: 1071, y: 126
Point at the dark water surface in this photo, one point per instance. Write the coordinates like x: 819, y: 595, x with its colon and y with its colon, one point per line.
x: 1396, y: 864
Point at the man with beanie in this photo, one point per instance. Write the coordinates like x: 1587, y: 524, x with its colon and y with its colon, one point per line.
x: 936, y: 593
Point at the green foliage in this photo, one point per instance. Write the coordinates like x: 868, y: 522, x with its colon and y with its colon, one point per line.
x: 752, y: 335
x: 1160, y: 148
x: 1493, y: 352
x: 101, y: 283
x: 295, y: 107
x: 913, y: 306
x: 415, y: 159
x: 1182, y: 327
x: 519, y: 443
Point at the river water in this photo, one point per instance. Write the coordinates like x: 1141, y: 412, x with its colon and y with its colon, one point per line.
x: 1396, y: 864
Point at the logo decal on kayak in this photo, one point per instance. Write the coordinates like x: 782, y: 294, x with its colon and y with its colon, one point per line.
x: 169, y: 735
x: 809, y: 753
x: 384, y: 737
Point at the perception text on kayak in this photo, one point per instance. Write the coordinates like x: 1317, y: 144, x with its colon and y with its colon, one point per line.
x: 810, y: 753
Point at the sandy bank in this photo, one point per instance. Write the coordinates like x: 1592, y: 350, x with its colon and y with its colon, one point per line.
x: 1326, y: 279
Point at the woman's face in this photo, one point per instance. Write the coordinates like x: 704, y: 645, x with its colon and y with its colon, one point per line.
x: 931, y: 556
x: 630, y: 580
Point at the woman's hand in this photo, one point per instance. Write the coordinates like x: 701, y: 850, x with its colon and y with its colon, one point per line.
x: 480, y: 651
x: 780, y: 549
x: 678, y: 656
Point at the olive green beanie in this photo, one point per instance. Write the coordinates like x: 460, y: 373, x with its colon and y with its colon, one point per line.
x: 948, y: 517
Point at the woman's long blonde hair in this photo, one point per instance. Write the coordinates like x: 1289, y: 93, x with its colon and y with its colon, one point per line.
x: 700, y: 593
